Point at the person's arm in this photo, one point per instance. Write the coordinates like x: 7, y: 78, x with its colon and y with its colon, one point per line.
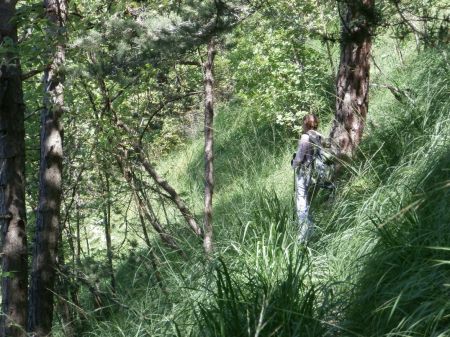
x: 303, y: 145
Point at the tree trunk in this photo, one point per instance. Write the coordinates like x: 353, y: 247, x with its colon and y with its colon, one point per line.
x: 62, y: 289
x: 144, y: 207
x: 145, y: 211
x: 161, y: 182
x: 172, y: 194
x: 78, y: 235
x: 86, y: 239
x: 50, y: 179
x: 209, y: 142
x: 12, y: 183
x: 352, y: 83
x: 107, y: 223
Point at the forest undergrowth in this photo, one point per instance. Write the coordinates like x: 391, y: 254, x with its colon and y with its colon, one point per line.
x: 378, y: 263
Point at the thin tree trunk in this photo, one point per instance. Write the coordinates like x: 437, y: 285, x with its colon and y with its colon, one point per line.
x: 67, y: 227
x: 78, y: 251
x: 62, y: 309
x: 330, y: 58
x: 399, y: 52
x: 50, y: 179
x: 174, y: 196
x: 12, y: 184
x: 86, y: 239
x: 142, y: 220
x: 144, y: 208
x: 107, y: 223
x: 62, y: 289
x: 152, y: 256
x: 352, y: 84
x: 209, y: 142
x: 65, y: 287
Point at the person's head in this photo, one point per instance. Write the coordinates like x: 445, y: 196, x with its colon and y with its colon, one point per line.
x: 310, y: 122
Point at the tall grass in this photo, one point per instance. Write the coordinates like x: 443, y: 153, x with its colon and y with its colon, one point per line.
x: 378, y: 264
x: 269, y: 291
x: 387, y: 237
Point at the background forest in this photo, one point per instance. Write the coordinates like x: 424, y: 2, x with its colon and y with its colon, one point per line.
x: 145, y: 178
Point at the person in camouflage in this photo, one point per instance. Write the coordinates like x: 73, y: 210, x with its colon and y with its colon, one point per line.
x: 301, y: 163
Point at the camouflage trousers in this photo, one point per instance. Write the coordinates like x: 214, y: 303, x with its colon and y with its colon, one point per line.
x: 306, y: 227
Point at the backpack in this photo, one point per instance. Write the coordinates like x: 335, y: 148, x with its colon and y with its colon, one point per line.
x: 321, y: 166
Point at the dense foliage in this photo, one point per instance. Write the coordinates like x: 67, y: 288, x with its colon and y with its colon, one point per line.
x: 128, y: 262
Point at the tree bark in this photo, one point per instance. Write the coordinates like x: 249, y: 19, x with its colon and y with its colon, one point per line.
x: 50, y: 178
x: 12, y: 182
x: 209, y: 142
x: 352, y: 83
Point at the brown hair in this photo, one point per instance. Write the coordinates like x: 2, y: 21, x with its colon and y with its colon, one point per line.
x: 310, y: 122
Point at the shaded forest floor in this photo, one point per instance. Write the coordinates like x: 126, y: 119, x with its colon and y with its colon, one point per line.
x: 378, y: 261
